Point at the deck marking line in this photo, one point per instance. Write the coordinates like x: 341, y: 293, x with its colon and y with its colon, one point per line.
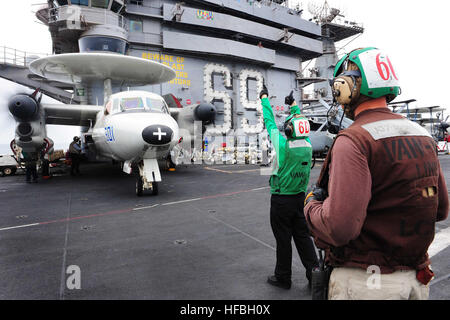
x: 294, y: 262
x: 233, y: 193
x: 67, y: 219
x: 148, y: 207
x: 181, y: 201
x: 243, y: 232
x: 214, y: 196
x: 262, y: 188
x: 22, y: 226
x: 218, y: 170
x: 436, y: 281
x: 131, y: 209
x: 66, y: 238
x: 232, y: 171
x: 88, y: 216
x: 248, y: 170
x: 441, y: 241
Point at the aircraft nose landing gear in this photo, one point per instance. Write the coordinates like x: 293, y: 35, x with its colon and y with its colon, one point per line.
x: 152, y: 186
x: 139, y: 186
x: 148, y: 177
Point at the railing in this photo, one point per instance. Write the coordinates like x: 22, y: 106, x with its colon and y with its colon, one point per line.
x: 18, y: 57
x: 348, y: 23
x: 86, y: 15
x: 143, y: 4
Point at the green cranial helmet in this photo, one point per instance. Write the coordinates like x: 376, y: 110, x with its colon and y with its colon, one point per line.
x: 377, y: 73
x: 296, y: 127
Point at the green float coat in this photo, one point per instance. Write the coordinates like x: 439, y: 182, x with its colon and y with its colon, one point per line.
x: 292, y: 165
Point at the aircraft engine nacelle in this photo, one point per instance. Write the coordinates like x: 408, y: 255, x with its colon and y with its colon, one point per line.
x: 23, y: 107
x: 205, y: 112
x: 30, y: 129
x: 30, y: 135
x: 188, y: 115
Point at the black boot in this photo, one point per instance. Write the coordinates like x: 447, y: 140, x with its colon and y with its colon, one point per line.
x: 273, y: 280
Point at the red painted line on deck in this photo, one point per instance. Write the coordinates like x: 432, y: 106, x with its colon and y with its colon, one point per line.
x: 114, y: 212
x: 225, y: 194
x: 88, y: 216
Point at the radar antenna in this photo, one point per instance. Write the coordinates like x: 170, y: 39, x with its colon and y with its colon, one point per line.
x: 323, y: 14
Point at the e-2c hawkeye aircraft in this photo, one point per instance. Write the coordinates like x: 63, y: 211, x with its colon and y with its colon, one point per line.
x: 135, y: 128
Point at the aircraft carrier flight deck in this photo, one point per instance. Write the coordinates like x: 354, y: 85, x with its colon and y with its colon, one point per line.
x: 196, y: 66
x: 206, y: 235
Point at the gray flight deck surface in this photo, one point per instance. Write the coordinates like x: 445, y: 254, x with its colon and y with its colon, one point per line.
x: 206, y: 235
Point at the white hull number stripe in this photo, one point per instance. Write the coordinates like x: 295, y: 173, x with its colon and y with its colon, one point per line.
x: 394, y: 128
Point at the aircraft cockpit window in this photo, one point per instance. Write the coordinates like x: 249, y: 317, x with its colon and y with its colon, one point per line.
x: 115, y: 107
x: 108, y: 107
x: 131, y: 103
x: 156, y: 105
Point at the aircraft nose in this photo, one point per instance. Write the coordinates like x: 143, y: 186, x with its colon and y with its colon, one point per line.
x: 157, y: 134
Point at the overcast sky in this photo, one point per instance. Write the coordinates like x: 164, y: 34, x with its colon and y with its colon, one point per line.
x: 413, y: 33
x: 21, y: 30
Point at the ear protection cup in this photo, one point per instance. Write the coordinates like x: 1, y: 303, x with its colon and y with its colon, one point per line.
x: 288, y: 129
x: 345, y: 87
x: 344, y: 90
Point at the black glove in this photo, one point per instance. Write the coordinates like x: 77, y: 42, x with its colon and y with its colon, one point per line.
x: 289, y: 100
x: 317, y: 193
x: 264, y: 91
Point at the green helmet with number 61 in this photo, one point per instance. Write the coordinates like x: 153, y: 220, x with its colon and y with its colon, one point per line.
x: 377, y: 73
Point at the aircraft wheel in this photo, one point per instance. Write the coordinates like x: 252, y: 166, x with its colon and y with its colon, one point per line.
x: 8, y: 171
x: 139, y: 186
x: 154, y: 188
x: 169, y: 163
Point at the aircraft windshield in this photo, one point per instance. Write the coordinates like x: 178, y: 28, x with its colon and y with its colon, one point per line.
x: 155, y: 105
x: 131, y: 103
x: 137, y: 103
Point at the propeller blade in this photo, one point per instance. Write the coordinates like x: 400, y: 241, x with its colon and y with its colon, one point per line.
x: 35, y: 93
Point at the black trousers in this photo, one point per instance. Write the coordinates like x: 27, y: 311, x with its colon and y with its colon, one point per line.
x: 30, y: 171
x: 45, y: 168
x: 288, y: 221
x: 75, y: 167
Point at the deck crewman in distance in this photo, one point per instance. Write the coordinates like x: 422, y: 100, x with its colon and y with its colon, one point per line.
x: 75, y: 156
x: 380, y: 192
x: 288, y: 183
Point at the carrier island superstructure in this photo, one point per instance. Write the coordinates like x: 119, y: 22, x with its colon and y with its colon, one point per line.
x: 222, y: 52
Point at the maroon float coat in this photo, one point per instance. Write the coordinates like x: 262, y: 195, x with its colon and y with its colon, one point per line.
x: 386, y: 191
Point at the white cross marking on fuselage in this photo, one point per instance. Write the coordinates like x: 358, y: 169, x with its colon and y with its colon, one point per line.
x: 159, y: 134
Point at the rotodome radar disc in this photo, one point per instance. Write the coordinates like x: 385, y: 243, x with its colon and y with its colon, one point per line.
x: 88, y: 67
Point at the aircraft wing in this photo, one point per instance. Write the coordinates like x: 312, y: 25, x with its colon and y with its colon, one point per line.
x: 313, y: 115
x: 175, y: 112
x: 314, y: 108
x: 423, y: 109
x: 402, y: 102
x: 72, y: 115
x: 428, y: 120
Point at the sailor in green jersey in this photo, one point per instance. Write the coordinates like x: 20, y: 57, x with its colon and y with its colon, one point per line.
x: 288, y: 183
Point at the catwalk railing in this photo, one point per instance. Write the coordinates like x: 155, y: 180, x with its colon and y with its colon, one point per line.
x: 18, y: 58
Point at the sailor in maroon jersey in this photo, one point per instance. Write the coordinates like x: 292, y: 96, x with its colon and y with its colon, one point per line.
x: 384, y: 190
